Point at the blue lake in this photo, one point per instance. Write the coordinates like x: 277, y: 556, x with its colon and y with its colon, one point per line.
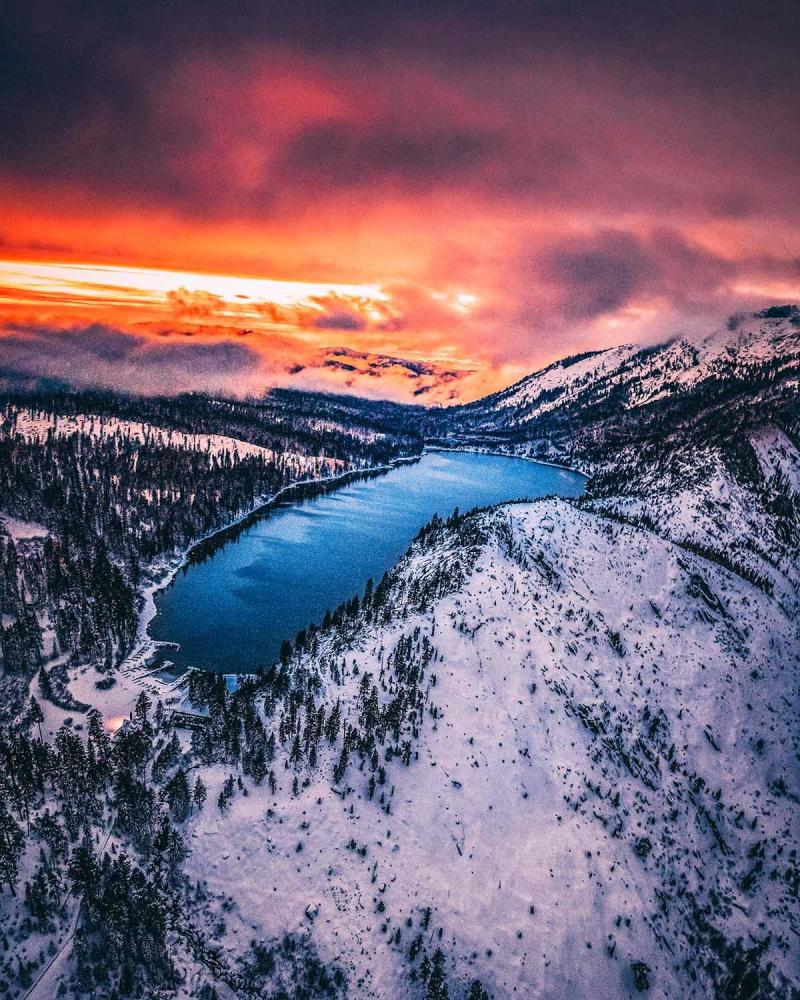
x: 237, y: 599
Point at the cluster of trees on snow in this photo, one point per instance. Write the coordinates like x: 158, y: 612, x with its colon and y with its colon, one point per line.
x: 357, y: 431
x: 85, y: 820
x: 99, y: 821
x: 95, y: 825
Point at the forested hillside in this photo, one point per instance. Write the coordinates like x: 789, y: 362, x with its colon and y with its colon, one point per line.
x: 94, y: 487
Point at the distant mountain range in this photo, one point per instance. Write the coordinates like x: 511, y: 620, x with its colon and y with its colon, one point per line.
x: 343, y: 369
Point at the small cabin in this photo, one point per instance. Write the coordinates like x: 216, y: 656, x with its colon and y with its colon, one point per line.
x: 188, y: 720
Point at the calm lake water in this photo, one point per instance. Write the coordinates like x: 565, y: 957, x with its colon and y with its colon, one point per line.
x: 231, y: 611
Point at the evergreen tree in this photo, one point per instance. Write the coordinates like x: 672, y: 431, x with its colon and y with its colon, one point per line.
x: 11, y: 844
x: 84, y: 973
x: 178, y: 795
x: 437, y: 984
x: 36, y: 715
x: 143, y: 705
x: 199, y: 794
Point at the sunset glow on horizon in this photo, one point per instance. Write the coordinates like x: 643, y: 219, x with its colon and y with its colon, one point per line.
x: 125, y: 294
x: 487, y: 194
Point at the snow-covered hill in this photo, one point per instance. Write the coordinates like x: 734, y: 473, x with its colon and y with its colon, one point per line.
x: 35, y: 426
x: 605, y: 778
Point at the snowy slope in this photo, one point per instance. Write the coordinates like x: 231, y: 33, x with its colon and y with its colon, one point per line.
x: 22, y: 531
x: 562, y: 381
x: 642, y: 375
x: 777, y: 457
x: 609, y: 767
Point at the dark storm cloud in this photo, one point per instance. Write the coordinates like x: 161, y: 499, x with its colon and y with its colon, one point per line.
x: 88, y: 90
x: 599, y: 274
x: 348, y: 155
x: 602, y: 272
x: 663, y: 30
x: 101, y: 355
x: 339, y: 321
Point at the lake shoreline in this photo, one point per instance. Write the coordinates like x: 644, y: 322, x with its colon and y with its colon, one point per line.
x: 166, y: 569
x: 508, y: 454
x: 265, y: 578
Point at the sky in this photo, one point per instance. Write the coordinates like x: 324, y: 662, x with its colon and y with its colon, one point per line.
x: 418, y: 200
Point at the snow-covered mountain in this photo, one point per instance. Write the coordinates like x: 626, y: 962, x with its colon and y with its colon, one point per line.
x: 587, y: 777
x: 554, y: 753
x: 648, y: 374
x: 342, y: 369
x: 716, y: 388
x: 682, y: 435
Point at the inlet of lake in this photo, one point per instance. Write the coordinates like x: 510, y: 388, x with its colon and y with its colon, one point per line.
x: 240, y: 595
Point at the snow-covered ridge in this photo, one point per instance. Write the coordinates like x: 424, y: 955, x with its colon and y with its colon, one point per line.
x: 562, y: 380
x: 700, y: 506
x: 647, y: 374
x: 36, y: 426
x: 777, y: 456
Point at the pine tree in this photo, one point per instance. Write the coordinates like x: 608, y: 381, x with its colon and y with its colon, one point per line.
x: 11, y: 844
x: 142, y: 708
x: 83, y: 870
x: 332, y: 725
x: 36, y: 715
x: 199, y: 794
x: 437, y: 984
x: 84, y: 974
x: 341, y: 765
x: 178, y: 795
x: 45, y: 684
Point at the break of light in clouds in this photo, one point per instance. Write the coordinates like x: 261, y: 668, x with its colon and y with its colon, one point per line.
x: 115, y: 293
x: 216, y: 196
